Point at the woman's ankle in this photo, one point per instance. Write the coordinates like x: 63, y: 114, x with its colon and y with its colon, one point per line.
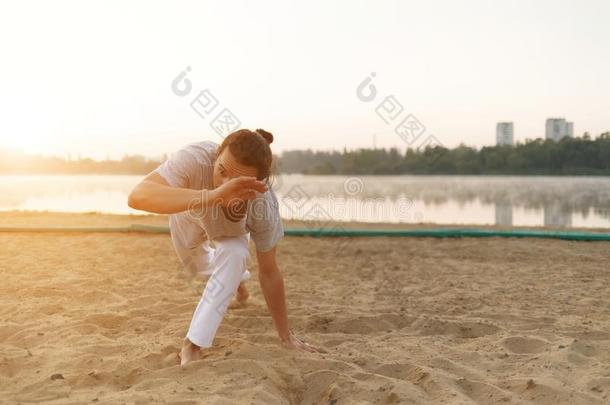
x: 187, y: 342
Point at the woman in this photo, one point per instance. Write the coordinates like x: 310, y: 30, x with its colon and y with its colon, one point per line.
x: 218, y: 195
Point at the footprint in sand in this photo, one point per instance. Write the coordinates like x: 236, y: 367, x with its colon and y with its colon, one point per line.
x: 167, y: 357
x: 361, y: 325
x: 524, y: 345
x: 462, y: 329
x: 584, y: 348
x: 108, y: 321
x: 482, y: 392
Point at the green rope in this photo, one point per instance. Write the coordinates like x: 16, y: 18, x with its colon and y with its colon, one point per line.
x: 352, y: 233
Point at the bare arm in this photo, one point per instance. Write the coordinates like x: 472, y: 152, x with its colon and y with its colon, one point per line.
x: 272, y: 284
x: 153, y: 194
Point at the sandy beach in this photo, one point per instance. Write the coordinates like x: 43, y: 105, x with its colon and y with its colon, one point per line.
x: 99, y: 318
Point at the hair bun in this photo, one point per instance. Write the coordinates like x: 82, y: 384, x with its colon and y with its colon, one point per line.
x: 267, y: 135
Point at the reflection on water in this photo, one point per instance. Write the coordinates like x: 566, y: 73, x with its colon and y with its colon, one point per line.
x: 554, y: 214
x: 106, y: 194
x: 502, y: 200
x: 504, y: 213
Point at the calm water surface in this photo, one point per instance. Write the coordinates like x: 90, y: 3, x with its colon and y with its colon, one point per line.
x: 478, y: 200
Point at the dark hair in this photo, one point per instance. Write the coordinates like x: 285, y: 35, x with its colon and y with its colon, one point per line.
x: 250, y: 148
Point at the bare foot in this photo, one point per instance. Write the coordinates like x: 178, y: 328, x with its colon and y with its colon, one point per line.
x: 189, y: 352
x: 242, y: 293
x: 241, y: 297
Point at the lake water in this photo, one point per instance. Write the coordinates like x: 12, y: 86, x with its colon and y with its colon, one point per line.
x: 467, y: 200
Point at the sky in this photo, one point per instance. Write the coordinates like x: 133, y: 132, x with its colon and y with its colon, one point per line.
x: 95, y: 78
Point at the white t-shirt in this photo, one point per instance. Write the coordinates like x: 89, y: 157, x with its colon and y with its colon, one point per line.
x: 193, y: 167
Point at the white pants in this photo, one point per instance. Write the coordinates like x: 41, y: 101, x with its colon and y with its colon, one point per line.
x: 193, y: 247
x: 227, y: 267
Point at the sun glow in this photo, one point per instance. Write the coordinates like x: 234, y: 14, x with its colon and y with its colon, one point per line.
x: 34, y: 144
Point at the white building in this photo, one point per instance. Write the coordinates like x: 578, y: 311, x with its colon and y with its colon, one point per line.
x: 570, y: 129
x: 504, y: 133
x: 557, y: 128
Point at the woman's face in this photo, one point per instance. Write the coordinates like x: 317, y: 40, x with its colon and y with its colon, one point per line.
x: 226, y: 167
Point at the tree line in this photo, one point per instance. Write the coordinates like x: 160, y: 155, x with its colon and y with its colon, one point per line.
x: 570, y: 156
x: 19, y: 163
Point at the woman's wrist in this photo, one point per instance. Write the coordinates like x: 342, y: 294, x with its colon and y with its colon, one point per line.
x: 208, y: 198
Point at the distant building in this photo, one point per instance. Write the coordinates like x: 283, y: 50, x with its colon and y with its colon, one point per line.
x: 570, y: 129
x: 557, y: 128
x: 504, y: 133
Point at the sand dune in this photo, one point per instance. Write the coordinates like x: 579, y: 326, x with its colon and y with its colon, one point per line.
x: 99, y: 318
